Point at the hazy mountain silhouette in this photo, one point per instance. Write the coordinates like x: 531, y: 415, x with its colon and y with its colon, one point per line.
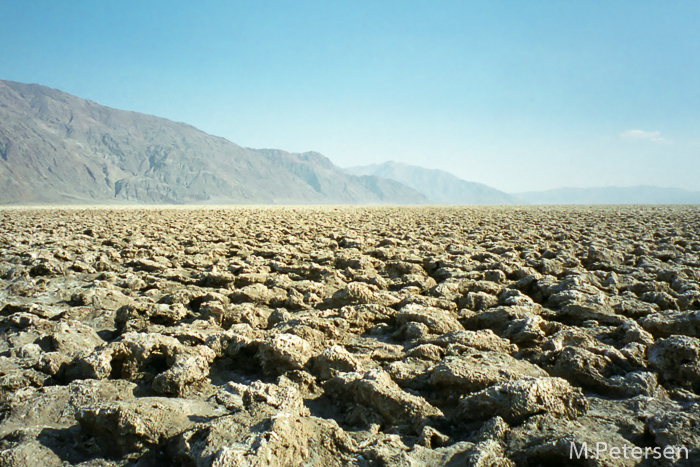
x: 438, y: 186
x: 642, y: 194
x: 58, y: 148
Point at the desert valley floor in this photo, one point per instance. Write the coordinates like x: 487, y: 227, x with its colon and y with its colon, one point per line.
x: 349, y: 336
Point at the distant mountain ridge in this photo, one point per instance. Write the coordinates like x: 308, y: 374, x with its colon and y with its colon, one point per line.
x: 641, y: 194
x: 438, y: 186
x: 58, y: 148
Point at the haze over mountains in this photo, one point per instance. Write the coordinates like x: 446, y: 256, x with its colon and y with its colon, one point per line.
x: 642, y: 194
x: 58, y: 148
x: 437, y: 185
x: 444, y: 188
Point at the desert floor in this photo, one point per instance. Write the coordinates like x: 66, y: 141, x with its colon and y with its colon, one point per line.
x: 359, y: 336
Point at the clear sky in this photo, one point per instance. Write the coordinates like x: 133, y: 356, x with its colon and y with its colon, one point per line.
x: 520, y: 95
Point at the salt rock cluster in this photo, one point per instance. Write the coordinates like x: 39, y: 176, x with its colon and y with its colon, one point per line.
x: 348, y: 336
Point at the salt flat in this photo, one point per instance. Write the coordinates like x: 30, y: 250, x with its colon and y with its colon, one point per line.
x: 340, y: 335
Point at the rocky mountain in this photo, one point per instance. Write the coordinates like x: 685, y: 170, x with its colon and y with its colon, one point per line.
x: 643, y: 194
x: 438, y: 186
x: 58, y: 148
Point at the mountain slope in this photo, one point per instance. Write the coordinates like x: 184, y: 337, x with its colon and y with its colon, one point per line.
x: 58, y: 148
x: 436, y: 185
x: 642, y: 194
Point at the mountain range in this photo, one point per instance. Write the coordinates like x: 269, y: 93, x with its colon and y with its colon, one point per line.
x: 58, y: 148
x: 641, y: 194
x: 437, y: 185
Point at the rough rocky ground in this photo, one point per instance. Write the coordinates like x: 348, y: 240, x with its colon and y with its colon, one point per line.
x: 348, y: 336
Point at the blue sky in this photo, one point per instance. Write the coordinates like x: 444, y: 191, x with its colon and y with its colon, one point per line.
x: 520, y: 95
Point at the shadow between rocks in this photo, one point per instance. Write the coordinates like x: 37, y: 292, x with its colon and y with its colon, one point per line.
x: 70, y: 444
x: 73, y: 446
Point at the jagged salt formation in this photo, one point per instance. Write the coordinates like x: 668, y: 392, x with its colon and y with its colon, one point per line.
x: 347, y: 336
